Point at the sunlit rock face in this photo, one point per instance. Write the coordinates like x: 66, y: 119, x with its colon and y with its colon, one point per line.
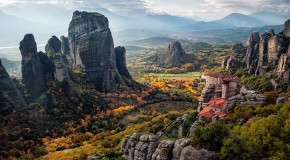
x: 10, y: 97
x: 92, y: 47
x: 33, y: 73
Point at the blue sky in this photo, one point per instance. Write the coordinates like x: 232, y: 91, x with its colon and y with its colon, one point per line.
x: 196, y: 9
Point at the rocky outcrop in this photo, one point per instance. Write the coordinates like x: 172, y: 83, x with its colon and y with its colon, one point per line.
x: 238, y: 49
x: 64, y: 45
x: 33, y: 73
x: 120, y: 53
x: 283, y: 64
x: 10, y: 97
x: 263, y: 48
x: 147, y: 147
x: 286, y: 29
x: 277, y: 46
x: 190, y: 153
x: 252, y: 51
x: 245, y: 100
x: 174, y: 56
x: 61, y: 74
x: 266, y: 55
x: 234, y: 60
x: 53, y: 45
x: 92, y: 47
x: 178, y: 147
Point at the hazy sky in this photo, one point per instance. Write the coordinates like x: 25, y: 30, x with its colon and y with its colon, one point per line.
x: 198, y: 9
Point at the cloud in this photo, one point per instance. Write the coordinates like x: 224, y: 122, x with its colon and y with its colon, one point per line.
x: 249, y: 6
x: 204, y: 9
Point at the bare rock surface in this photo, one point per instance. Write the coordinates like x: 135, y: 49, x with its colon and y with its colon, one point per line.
x: 92, y: 46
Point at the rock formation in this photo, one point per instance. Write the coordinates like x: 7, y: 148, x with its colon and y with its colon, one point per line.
x: 33, y: 73
x: 245, y: 99
x: 263, y: 48
x: 269, y: 53
x: 10, y: 97
x: 92, y: 47
x: 53, y: 45
x: 233, y: 61
x: 252, y: 51
x: 286, y: 29
x: 120, y: 53
x: 61, y: 74
x: 174, y: 56
x: 147, y: 147
x: 276, y: 46
x: 64, y: 45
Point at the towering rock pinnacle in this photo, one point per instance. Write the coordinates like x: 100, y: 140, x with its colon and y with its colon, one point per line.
x: 33, y: 74
x: 92, y: 46
x: 64, y: 45
x: 120, y: 53
x: 53, y: 44
x: 10, y: 97
x: 263, y: 48
x: 174, y: 56
x: 252, y: 50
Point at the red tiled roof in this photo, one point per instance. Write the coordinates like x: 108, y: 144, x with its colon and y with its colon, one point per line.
x: 207, y: 112
x: 217, y: 103
x: 220, y: 114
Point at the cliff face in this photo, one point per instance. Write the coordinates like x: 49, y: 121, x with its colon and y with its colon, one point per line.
x: 33, y: 74
x: 148, y: 147
x: 64, y: 45
x: 252, y: 50
x: 120, y: 53
x: 268, y: 53
x: 10, y: 97
x: 53, y: 45
x: 286, y: 29
x: 174, y: 56
x: 92, y: 47
x: 233, y: 61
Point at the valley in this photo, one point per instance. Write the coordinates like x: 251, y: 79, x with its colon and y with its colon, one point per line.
x: 151, y: 87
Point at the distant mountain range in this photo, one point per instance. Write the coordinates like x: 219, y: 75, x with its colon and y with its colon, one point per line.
x: 46, y: 20
x: 236, y: 20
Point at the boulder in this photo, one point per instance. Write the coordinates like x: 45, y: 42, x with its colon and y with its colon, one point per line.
x: 281, y: 99
x: 190, y: 153
x: 10, y: 97
x: 178, y: 147
x: 164, y: 150
x: 53, y: 45
x: 92, y: 47
x: 174, y: 56
x: 33, y: 73
x: 120, y: 53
